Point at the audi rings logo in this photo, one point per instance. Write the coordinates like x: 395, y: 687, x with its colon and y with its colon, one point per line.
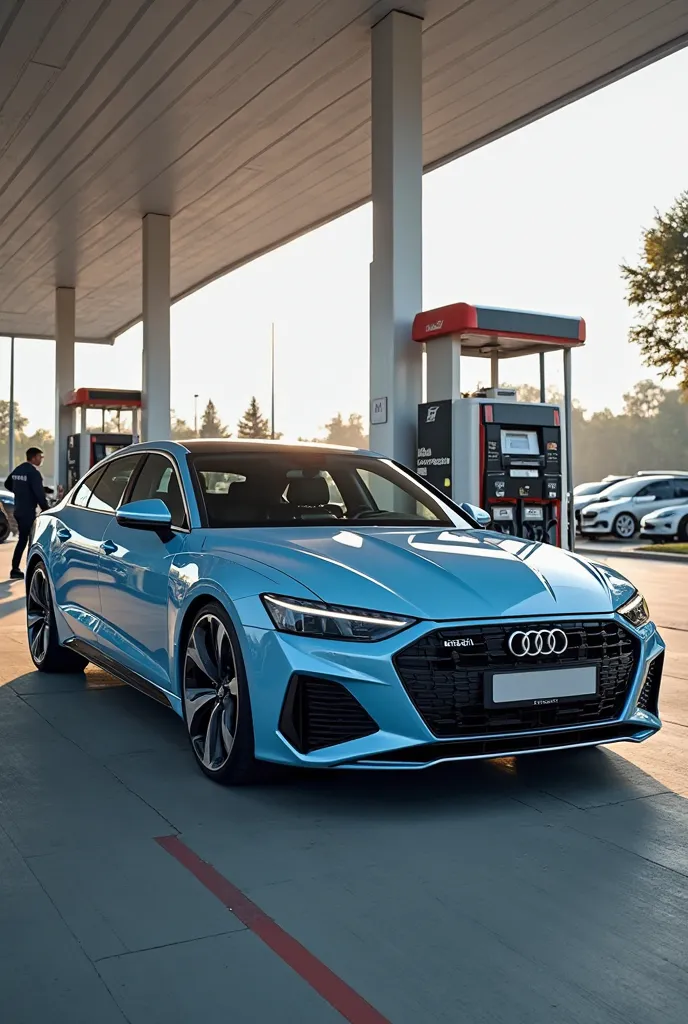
x: 537, y: 641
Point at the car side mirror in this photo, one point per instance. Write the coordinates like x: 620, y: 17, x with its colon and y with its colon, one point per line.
x: 147, y: 514
x: 645, y: 497
x: 482, y: 518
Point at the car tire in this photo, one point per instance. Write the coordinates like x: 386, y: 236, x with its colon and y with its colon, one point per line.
x: 4, y: 528
x: 625, y: 526
x: 45, y: 649
x: 215, y: 699
x: 682, y: 531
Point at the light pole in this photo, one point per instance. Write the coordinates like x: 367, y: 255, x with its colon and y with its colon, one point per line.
x: 10, y: 451
x: 272, y: 382
x: 196, y: 415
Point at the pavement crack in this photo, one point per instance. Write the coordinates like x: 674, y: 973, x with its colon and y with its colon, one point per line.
x: 169, y: 945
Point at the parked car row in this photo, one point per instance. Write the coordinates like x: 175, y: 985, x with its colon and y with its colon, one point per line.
x: 652, y: 503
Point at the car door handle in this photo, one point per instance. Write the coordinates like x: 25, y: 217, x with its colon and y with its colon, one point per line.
x: 108, y: 547
x: 63, y: 533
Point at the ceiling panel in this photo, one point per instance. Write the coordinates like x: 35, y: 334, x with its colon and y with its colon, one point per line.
x: 248, y: 121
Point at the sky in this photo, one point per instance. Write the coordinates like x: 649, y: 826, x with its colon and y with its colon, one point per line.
x: 538, y: 220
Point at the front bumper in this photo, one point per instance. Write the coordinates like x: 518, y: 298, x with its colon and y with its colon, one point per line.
x: 328, y: 704
x: 658, y: 530
x: 596, y: 526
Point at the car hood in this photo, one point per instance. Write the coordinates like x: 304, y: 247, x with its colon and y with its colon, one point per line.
x: 667, y: 510
x: 580, y: 500
x: 606, y: 503
x: 427, y: 573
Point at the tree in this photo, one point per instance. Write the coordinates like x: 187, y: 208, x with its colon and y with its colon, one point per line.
x: 180, y: 429
x: 211, y: 424
x: 252, y: 423
x: 349, y: 432
x: 644, y: 400
x: 658, y: 289
x: 19, y: 420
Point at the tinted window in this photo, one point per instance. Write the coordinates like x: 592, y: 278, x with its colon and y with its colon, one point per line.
x: 109, y: 489
x: 301, y: 487
x: 84, y: 491
x: 626, y: 489
x: 659, y: 489
x: 681, y: 488
x: 158, y: 479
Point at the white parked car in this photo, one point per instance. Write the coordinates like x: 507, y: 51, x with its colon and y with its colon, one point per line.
x: 585, y: 494
x: 666, y: 524
x: 619, y: 509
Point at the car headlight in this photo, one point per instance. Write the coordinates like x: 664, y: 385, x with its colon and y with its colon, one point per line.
x: 636, y: 611
x: 331, y: 622
x: 664, y: 515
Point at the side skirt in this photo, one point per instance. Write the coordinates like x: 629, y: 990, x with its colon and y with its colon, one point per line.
x: 109, y: 664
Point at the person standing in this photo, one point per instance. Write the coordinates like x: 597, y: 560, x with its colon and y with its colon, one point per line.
x: 26, y: 483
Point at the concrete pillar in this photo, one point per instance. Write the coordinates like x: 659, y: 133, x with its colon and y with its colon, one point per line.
x: 397, y: 267
x: 443, y: 369
x: 155, y: 424
x: 65, y: 333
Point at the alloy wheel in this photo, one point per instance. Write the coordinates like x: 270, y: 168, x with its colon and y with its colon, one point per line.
x: 211, y: 692
x: 38, y: 615
x: 625, y: 526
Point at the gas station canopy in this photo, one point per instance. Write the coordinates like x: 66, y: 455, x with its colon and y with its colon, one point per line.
x: 248, y: 123
x: 489, y: 331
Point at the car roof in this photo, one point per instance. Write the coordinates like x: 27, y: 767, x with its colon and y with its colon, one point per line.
x: 213, y: 446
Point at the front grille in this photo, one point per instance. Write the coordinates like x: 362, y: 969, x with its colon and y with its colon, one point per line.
x: 447, y: 684
x: 649, y: 695
x: 425, y: 753
x: 319, y: 713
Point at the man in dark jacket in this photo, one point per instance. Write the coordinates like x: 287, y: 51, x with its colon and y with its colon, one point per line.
x: 26, y: 483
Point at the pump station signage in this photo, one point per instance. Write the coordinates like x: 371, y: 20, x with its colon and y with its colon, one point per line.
x: 434, y: 457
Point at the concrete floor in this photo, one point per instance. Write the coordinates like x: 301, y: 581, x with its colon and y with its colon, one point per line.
x: 542, y: 889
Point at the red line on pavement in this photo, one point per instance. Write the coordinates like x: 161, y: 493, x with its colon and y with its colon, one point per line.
x: 336, y: 992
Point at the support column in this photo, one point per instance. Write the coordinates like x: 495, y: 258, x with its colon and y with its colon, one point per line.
x: 569, y: 526
x: 397, y: 268
x: 494, y: 370
x: 65, y: 333
x: 156, y: 328
x: 443, y: 369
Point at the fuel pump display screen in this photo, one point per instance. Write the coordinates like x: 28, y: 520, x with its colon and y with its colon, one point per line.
x: 520, y: 442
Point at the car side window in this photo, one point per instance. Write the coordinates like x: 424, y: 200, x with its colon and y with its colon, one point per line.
x: 681, y: 488
x: 663, y: 490
x: 159, y: 479
x: 109, y: 489
x: 85, y: 489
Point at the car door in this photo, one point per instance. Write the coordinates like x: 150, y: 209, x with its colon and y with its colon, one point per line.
x: 133, y: 574
x: 75, y: 546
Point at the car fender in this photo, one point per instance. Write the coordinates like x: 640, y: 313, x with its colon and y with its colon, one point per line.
x: 231, y: 582
x: 44, y: 546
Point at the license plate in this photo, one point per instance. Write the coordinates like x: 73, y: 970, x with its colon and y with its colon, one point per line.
x: 540, y: 687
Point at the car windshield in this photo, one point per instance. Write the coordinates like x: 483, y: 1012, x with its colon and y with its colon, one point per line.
x: 625, y: 488
x: 582, y: 489
x: 306, y: 488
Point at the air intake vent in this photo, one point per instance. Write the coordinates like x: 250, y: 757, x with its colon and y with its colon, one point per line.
x: 320, y: 713
x: 649, y: 695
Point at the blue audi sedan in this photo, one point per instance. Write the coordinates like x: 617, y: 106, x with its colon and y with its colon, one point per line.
x: 324, y: 607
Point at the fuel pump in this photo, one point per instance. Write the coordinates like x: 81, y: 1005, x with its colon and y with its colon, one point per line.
x: 511, y: 458
x: 87, y: 447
